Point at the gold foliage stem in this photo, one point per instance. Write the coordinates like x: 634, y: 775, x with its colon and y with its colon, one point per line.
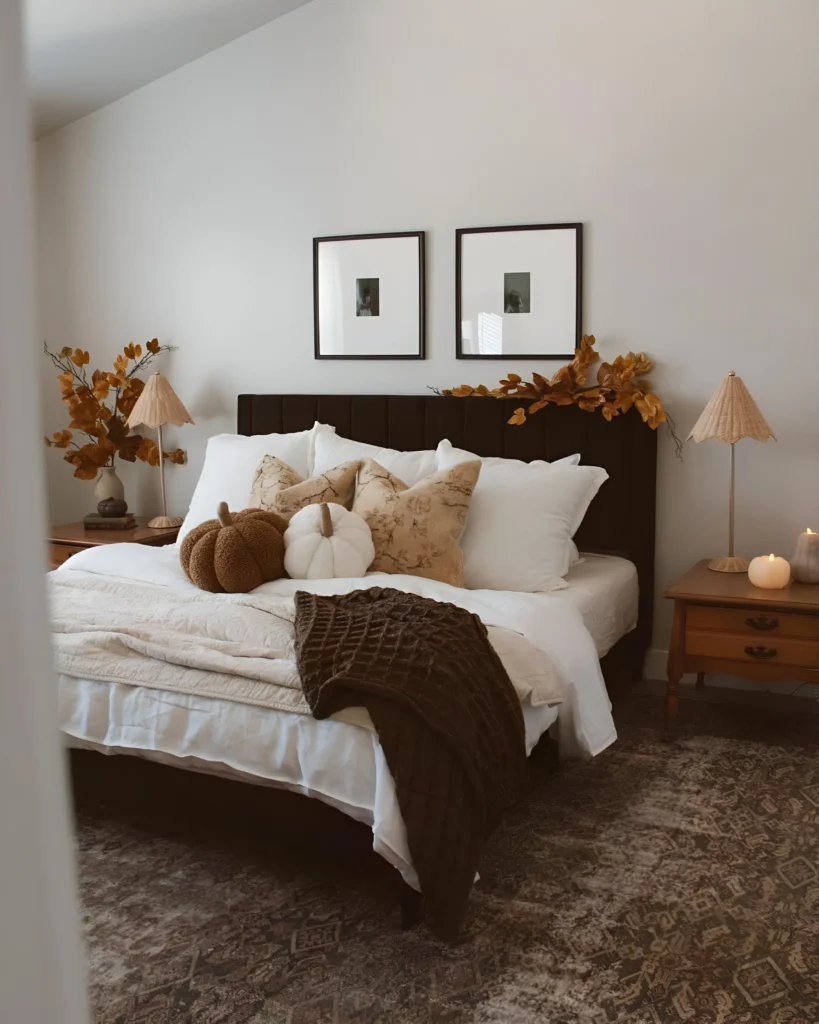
x: 620, y: 385
x: 104, y: 425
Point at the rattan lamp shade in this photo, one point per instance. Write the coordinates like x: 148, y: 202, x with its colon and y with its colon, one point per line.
x: 157, y: 405
x: 731, y: 415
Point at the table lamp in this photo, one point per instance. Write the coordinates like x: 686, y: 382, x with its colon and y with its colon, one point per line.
x: 731, y: 415
x: 157, y: 405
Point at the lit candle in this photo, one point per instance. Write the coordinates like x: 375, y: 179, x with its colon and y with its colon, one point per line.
x: 769, y: 572
x: 806, y: 560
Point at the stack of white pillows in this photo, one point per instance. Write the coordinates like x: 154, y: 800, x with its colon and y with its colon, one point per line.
x: 522, y: 517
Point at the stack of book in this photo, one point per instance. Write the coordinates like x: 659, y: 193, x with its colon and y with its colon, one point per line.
x: 97, y: 522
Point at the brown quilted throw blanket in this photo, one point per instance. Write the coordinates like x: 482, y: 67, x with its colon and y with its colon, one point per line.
x: 447, y: 717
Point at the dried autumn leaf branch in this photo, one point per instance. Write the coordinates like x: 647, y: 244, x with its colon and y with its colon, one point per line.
x: 620, y: 385
x: 104, y: 425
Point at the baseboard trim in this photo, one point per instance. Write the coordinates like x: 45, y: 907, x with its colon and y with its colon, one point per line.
x: 655, y: 664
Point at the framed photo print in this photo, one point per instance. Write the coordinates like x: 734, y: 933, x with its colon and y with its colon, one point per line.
x: 518, y: 291
x: 368, y: 296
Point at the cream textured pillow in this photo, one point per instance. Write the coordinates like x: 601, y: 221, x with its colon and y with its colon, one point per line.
x: 416, y: 530
x: 277, y: 487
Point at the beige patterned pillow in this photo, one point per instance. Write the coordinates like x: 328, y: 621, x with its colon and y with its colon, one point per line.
x: 416, y: 530
x: 277, y: 487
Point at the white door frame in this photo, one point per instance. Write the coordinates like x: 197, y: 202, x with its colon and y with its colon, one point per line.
x: 42, y: 977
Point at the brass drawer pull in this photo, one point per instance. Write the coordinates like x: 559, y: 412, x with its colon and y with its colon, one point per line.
x: 761, y: 653
x: 762, y: 622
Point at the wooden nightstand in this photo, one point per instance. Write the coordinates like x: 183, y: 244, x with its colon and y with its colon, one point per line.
x: 67, y: 540
x: 722, y: 623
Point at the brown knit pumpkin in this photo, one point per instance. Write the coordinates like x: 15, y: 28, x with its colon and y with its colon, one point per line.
x: 236, y: 552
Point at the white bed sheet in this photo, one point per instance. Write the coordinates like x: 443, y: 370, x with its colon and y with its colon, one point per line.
x: 604, y: 589
x: 296, y: 752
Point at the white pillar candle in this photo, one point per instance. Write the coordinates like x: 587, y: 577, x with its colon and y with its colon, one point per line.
x: 805, y: 562
x: 769, y: 572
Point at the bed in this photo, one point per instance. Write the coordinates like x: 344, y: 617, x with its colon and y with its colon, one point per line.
x: 609, y: 591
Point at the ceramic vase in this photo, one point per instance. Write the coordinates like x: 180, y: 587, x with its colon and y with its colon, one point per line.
x: 108, y: 485
x: 805, y: 562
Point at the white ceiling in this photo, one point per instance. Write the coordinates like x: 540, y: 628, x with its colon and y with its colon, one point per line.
x: 84, y: 54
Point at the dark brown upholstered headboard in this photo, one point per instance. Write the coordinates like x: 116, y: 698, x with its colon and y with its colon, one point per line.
x: 621, y: 518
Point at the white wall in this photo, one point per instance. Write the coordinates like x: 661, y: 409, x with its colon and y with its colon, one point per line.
x: 681, y: 134
x: 41, y: 957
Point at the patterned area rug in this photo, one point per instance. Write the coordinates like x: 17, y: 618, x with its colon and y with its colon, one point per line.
x: 656, y: 884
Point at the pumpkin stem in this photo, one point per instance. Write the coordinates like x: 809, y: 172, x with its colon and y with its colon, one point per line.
x: 326, y: 521
x: 225, y: 518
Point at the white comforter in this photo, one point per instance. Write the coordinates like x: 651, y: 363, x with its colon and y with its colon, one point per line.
x: 291, y: 749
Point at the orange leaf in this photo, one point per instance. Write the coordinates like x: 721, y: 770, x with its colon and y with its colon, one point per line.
x: 518, y: 417
x: 88, y: 460
x: 129, y: 447
x: 84, y: 410
x: 80, y: 358
x: 148, y: 452
x: 464, y: 391
x: 128, y: 397
x: 65, y: 351
x: 138, y: 350
x: 116, y: 430
x: 651, y: 409
x: 121, y: 365
x: 62, y: 438
x: 177, y: 457
x: 153, y: 346
x: 130, y: 351
x: 66, y: 381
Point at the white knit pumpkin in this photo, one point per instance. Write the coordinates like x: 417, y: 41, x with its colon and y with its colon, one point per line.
x: 325, y: 542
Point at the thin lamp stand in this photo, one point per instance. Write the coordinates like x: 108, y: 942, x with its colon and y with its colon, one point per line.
x: 730, y: 563
x: 164, y: 521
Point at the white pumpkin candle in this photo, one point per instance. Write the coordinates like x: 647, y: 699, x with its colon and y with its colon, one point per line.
x: 805, y: 563
x: 769, y: 572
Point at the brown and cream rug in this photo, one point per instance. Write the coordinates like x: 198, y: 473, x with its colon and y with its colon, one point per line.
x: 656, y: 884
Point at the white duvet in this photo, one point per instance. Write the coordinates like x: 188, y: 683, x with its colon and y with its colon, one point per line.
x: 289, y: 748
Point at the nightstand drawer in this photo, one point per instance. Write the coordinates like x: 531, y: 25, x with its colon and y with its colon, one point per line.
x: 753, y: 623
x: 749, y: 650
x: 59, y: 553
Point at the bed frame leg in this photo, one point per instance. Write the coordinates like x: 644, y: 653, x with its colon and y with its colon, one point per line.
x: 552, y: 754
x: 412, y: 906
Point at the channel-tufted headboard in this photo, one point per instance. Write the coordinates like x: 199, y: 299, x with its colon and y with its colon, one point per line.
x: 621, y: 518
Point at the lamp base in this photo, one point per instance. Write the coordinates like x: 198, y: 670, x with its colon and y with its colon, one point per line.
x: 728, y: 563
x: 164, y: 522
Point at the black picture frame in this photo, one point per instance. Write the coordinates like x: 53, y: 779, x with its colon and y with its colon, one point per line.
x: 577, y: 227
x: 422, y: 305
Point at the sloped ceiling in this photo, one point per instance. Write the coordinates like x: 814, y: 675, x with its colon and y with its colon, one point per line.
x: 83, y: 54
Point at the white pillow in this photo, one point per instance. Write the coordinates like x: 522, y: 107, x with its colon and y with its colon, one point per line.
x: 332, y: 450
x: 447, y: 455
x: 521, y: 520
x: 230, y: 464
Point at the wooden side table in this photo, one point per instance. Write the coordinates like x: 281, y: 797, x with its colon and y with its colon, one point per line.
x: 65, y: 541
x: 722, y: 623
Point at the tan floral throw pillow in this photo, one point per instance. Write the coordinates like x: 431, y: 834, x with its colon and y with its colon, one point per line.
x: 416, y: 530
x: 277, y: 487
